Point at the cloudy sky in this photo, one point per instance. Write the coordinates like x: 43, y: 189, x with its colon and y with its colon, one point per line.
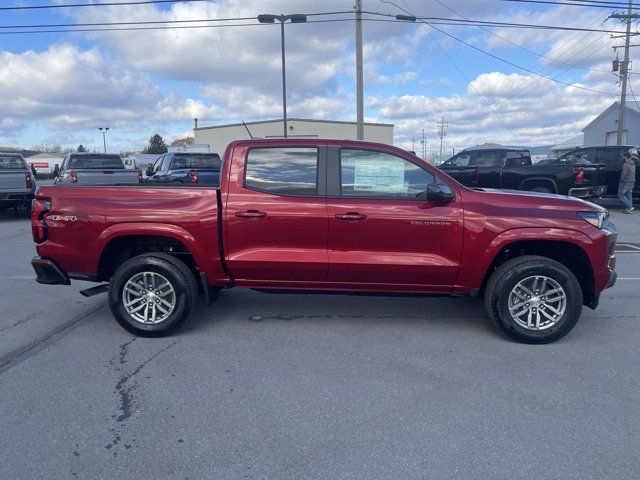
x: 58, y: 88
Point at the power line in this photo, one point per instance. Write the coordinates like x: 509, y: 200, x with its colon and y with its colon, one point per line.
x: 151, y: 22
x: 575, y: 3
x: 74, y: 5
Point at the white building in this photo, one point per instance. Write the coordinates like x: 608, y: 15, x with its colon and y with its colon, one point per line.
x: 219, y: 136
x: 603, y: 130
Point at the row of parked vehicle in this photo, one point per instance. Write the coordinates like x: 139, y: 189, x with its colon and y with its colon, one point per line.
x: 584, y: 172
x: 105, y: 169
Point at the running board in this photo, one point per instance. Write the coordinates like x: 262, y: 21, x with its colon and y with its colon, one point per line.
x: 90, y: 292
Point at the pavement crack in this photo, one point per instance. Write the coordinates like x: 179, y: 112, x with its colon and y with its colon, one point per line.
x: 22, y: 321
x: 125, y: 388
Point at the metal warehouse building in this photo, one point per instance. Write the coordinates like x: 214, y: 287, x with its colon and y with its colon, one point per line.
x: 219, y: 136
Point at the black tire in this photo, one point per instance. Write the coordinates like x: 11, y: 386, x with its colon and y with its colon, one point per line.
x: 509, y: 274
x: 175, y: 272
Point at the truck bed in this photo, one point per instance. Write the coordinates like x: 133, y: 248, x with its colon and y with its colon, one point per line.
x: 84, y: 219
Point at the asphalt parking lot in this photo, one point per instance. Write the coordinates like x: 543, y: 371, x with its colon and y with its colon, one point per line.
x: 308, y: 386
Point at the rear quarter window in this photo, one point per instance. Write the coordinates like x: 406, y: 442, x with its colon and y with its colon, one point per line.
x: 283, y: 171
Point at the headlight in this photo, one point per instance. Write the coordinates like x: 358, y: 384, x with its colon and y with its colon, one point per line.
x: 597, y: 219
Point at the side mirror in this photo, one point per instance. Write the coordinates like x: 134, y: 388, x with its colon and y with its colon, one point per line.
x: 440, y: 193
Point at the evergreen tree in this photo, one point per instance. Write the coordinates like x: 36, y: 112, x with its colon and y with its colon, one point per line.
x: 156, y: 145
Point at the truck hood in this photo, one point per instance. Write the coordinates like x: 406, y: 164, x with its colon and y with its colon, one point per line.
x: 540, y: 199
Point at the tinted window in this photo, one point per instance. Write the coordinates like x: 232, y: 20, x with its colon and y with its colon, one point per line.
x: 182, y: 160
x: 283, y: 171
x: 460, y: 160
x: 12, y: 162
x: 515, y: 158
x: 610, y: 156
x: 487, y: 159
x: 96, y: 162
x: 367, y: 173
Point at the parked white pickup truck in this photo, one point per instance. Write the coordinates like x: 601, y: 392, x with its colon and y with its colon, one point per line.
x: 96, y: 169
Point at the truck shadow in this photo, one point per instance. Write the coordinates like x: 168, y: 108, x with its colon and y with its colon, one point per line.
x: 353, y: 311
x: 11, y: 215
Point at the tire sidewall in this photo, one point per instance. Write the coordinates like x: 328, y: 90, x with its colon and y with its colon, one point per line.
x: 149, y: 264
x: 568, y: 320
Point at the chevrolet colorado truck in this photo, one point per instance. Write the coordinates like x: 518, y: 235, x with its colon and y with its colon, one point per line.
x: 511, y: 168
x: 96, y: 169
x: 17, y: 182
x: 327, y: 216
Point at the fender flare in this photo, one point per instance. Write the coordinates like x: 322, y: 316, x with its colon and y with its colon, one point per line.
x: 469, y: 278
x: 127, y: 229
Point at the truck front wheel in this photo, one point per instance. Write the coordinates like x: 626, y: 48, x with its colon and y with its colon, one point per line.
x: 533, y: 299
x: 151, y: 295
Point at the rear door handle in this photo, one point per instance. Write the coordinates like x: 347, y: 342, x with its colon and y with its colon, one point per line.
x: 351, y: 216
x: 251, y: 214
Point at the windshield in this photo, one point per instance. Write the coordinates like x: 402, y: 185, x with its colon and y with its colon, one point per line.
x: 196, y: 161
x: 12, y: 162
x: 98, y: 162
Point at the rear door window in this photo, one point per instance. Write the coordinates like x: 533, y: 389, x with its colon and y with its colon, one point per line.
x: 516, y: 158
x: 488, y: 158
x: 283, y: 171
x: 609, y: 156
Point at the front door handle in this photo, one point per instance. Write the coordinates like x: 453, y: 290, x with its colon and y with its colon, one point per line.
x: 251, y: 214
x: 351, y: 216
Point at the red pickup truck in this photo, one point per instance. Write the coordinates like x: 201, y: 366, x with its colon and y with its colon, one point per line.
x: 327, y: 216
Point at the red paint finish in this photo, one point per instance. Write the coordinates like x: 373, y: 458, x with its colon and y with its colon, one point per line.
x: 324, y: 242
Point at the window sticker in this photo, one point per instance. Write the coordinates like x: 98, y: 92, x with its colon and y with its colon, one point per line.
x: 379, y: 175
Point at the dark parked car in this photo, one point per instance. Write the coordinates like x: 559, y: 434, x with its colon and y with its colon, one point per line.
x: 96, y: 169
x: 611, y: 157
x: 17, y: 182
x: 197, y: 168
x: 512, y: 168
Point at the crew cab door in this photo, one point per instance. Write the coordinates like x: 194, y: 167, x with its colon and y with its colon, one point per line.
x: 276, y: 216
x: 488, y: 165
x: 461, y: 168
x: 381, y: 234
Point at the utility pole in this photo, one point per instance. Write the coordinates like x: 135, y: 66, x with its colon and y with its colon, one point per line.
x: 359, y: 74
x: 424, y: 145
x: 441, y: 133
x: 624, y: 69
x: 413, y: 143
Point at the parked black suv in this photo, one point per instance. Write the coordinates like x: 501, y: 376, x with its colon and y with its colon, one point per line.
x: 496, y: 166
x: 610, y: 156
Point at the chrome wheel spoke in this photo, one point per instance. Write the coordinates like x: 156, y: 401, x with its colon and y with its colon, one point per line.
x: 149, y: 298
x: 537, y: 302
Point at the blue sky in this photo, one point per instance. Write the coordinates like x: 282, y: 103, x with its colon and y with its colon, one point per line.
x: 58, y: 88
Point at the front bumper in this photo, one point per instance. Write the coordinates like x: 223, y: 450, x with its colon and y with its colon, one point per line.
x: 588, y: 192
x: 48, y: 272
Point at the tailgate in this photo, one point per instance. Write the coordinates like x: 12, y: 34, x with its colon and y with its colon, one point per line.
x: 595, y: 174
x: 13, y: 180
x: 107, y: 177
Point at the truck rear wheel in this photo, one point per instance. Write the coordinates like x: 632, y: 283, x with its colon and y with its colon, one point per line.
x: 533, y: 299
x: 152, y: 295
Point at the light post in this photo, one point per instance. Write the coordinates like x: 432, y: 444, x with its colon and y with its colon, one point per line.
x: 104, y: 137
x: 295, y: 18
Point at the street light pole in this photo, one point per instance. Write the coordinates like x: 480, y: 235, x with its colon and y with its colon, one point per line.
x: 104, y: 137
x: 295, y: 18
